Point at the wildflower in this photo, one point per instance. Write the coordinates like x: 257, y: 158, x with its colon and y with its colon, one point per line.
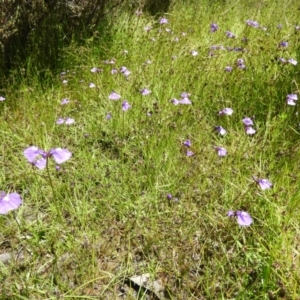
x: 221, y: 130
x: 2, y: 98
x: 240, y: 63
x: 163, y: 21
x: 279, y: 26
x: 113, y: 71
x: 125, y: 71
x: 125, y: 105
x: 292, y: 61
x: 176, y: 39
x: 187, y: 143
x: 249, y: 130
x: 291, y: 98
x: 96, y: 70
x: 283, y: 44
x: 221, y: 151
x: 264, y: 184
x: 189, y: 153
x: 65, y: 101
x: 247, y: 121
x: 229, y: 34
x: 297, y: 27
x: 110, y: 61
x: 228, y: 69
x: 108, y: 116
x: 114, y: 96
x: 67, y: 121
x: 38, y: 157
x: 92, y: 85
x: 138, y: 13
x: 213, y: 27
x: 9, y: 202
x: 145, y: 92
x: 283, y: 60
x: 147, y: 28
x: 168, y: 30
x: 169, y: 196
x: 65, y: 81
x: 252, y: 23
x: 243, y: 218
x: 194, y: 53
x: 226, y: 111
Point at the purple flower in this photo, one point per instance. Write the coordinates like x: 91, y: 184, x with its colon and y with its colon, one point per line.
x: 96, y: 70
x: 163, y: 21
x: 264, y: 184
x: 213, y: 27
x: 185, y: 95
x: 65, y: 101
x: 189, y: 153
x: 230, y: 34
x: 108, y: 116
x: 69, y: 121
x: 243, y: 218
x: 60, y: 155
x: 226, y: 111
x: 247, y: 121
x: 185, y: 100
x: 292, y: 61
x: 252, y: 23
x: 228, y: 69
x: 291, y: 98
x: 147, y: 28
x: 283, y: 60
x: 92, y: 85
x: 125, y: 71
x: 194, y: 53
x: 187, y: 143
x: 38, y: 157
x: 279, y: 26
x: 2, y: 98
x: 9, y: 202
x: 221, y: 151
x: 114, y: 96
x: 283, y: 44
x: 125, y: 105
x: 240, y: 63
x: 145, y: 92
x: 221, y: 130
x: 169, y: 196
x: 113, y: 71
x: 249, y: 130
x: 60, y: 121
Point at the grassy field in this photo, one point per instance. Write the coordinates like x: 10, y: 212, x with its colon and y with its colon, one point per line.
x: 148, y: 187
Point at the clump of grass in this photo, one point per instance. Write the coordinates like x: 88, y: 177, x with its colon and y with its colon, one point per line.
x: 132, y: 200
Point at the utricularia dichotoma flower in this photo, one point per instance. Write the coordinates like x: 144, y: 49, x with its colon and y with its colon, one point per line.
x: 291, y: 98
x: 145, y: 92
x: 264, y: 184
x: 9, y: 202
x: 221, y: 130
x: 213, y: 27
x: 38, y: 157
x: 242, y: 217
x: 125, y: 105
x: 226, y: 111
x: 248, y: 126
x: 114, y: 96
x: 221, y: 151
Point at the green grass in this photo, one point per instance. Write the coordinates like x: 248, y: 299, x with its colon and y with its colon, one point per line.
x: 108, y: 217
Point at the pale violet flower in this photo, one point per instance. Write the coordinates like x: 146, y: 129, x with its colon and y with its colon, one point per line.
x: 292, y: 61
x: 213, y: 27
x: 114, y: 96
x: 65, y: 101
x: 221, y: 130
x: 230, y: 34
x: 2, y: 98
x: 145, y: 92
x: 92, y: 85
x: 226, y: 111
x: 189, y: 153
x: 283, y: 44
x: 125, y: 105
x: 187, y: 143
x: 163, y: 21
x: 38, y: 157
x: 264, y: 184
x: 252, y: 23
x: 249, y: 130
x: 228, y: 69
x: 194, y: 53
x: 9, y: 202
x: 247, y: 121
x: 96, y: 70
x: 291, y: 98
x: 243, y: 218
x: 113, y: 71
x: 221, y: 151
